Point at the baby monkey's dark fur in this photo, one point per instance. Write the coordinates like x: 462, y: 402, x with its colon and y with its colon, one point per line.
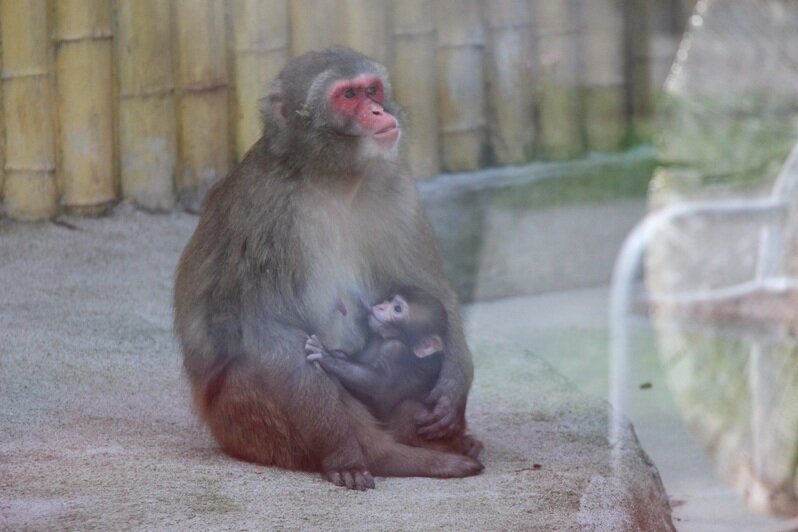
x: 399, y: 366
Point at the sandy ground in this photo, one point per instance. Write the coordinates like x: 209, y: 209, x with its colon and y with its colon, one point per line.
x: 96, y: 431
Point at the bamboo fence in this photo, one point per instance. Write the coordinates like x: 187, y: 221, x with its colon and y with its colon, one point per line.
x: 2, y: 127
x: 151, y: 101
x: 202, y: 86
x: 602, y: 80
x: 557, y: 81
x: 261, y: 43
x: 512, y: 64
x: 314, y: 25
x: 30, y: 191
x: 147, y: 127
x: 84, y: 104
x: 461, y: 85
x: 415, y: 81
x: 636, y: 72
x: 365, y: 26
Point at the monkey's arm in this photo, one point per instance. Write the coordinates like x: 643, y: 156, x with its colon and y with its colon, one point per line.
x: 361, y: 380
x: 448, y: 396
x: 377, y: 382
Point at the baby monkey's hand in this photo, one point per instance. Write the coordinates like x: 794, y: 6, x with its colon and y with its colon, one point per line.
x: 314, y: 349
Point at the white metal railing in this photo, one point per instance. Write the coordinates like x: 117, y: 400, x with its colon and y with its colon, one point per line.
x: 769, y: 267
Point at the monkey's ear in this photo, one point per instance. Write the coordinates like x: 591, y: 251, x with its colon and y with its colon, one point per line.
x: 273, y: 108
x: 428, y: 346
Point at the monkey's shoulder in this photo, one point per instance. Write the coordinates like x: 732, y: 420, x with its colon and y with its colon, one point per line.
x: 400, y: 357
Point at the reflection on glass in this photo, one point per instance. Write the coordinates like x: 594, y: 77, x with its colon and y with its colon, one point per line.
x: 735, y: 380
x: 721, y: 247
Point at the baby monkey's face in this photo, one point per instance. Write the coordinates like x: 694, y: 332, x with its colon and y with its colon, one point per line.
x: 385, y: 315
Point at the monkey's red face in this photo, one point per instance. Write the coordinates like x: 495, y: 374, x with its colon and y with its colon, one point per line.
x: 358, y: 105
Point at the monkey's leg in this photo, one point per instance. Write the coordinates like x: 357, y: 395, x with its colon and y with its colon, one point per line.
x: 287, y: 414
x: 387, y: 457
x: 401, y: 424
x: 290, y: 414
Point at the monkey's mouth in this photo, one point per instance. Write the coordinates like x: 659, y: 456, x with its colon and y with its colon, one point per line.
x: 387, y: 133
x: 374, y: 322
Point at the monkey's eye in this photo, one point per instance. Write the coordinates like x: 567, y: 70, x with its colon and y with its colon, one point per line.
x: 371, y: 91
x: 349, y: 93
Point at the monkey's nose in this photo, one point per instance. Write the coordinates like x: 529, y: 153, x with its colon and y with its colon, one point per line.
x: 376, y: 109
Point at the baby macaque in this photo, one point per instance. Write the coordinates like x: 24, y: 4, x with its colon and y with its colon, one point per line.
x: 399, y: 365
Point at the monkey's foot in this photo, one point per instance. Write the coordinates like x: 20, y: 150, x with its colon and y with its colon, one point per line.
x: 451, y: 465
x: 471, y: 447
x: 360, y: 480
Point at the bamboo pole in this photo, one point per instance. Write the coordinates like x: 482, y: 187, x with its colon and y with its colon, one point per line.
x: 511, y: 66
x: 666, y: 24
x: 30, y: 190
x: 558, y: 104
x: 415, y: 79
x: 314, y: 24
x: 147, y: 129
x: 261, y: 40
x: 84, y: 103
x: 366, y: 27
x: 461, y: 84
x: 637, y: 67
x: 602, y: 76
x: 2, y: 123
x: 203, y: 98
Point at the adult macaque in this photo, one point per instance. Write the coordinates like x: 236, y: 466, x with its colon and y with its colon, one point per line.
x: 399, y: 365
x: 319, y: 215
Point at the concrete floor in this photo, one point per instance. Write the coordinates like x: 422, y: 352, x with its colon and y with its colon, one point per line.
x: 569, y: 330
x: 96, y: 430
x: 104, y: 288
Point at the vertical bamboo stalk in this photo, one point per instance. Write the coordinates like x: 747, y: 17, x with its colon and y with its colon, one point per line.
x: 260, y: 29
x: 602, y: 74
x: 314, y: 24
x: 30, y: 191
x: 415, y: 79
x: 2, y: 123
x: 84, y: 102
x: 147, y: 130
x: 202, y: 84
x: 511, y: 91
x: 461, y: 84
x: 636, y: 67
x: 558, y: 104
x: 366, y: 27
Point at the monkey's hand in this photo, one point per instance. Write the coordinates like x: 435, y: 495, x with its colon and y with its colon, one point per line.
x: 314, y: 349
x: 445, y: 419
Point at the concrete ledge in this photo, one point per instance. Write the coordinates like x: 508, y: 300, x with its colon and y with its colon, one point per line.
x: 96, y: 431
x: 528, y: 229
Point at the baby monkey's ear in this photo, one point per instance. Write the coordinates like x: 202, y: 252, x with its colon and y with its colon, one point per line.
x: 428, y: 346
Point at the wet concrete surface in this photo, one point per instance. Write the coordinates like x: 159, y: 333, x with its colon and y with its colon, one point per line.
x: 569, y: 330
